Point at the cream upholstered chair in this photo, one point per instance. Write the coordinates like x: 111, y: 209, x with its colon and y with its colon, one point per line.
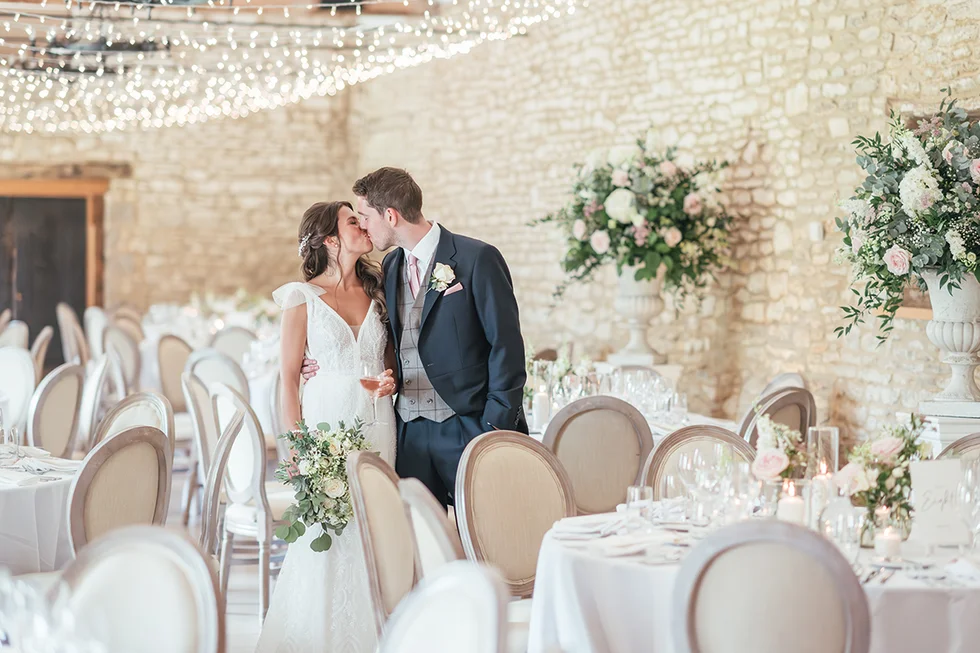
x: 119, y: 342
x: 783, y: 381
x: 82, y: 354
x: 234, y: 342
x: 602, y: 442
x: 16, y: 334
x: 510, y: 490
x: 140, y: 409
x: 93, y: 395
x: 281, y: 446
x: 212, y: 366
x: 129, y: 321
x: 663, y: 459
x: 95, y: 322
x: 794, y: 407
x: 461, y: 607
x: 383, y: 522
x: 967, y: 447
x: 786, y: 577
x: 205, y: 424
x: 17, y: 382
x: 172, y: 355
x: 147, y: 589
x: 53, y: 417
x: 124, y: 480
x: 39, y: 350
x: 5, y: 317
x: 67, y: 321
x: 213, y: 495
x: 436, y: 540
x: 252, y: 513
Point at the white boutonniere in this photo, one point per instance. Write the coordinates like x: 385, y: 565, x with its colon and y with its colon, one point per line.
x: 442, y: 277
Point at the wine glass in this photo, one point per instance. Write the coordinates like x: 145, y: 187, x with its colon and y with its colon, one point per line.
x: 371, y: 380
x: 968, y: 499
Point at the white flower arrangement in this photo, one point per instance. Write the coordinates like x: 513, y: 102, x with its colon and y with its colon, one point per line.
x: 778, y: 452
x: 917, y: 210
x: 637, y: 206
x: 317, y: 471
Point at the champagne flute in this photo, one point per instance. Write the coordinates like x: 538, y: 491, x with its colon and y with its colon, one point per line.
x: 371, y: 381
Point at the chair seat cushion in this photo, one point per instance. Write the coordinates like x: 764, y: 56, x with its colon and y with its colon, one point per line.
x: 241, y: 518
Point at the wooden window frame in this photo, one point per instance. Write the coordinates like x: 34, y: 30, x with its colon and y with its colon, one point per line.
x: 92, y: 191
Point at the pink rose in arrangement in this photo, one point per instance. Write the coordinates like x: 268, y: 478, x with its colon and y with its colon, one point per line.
x: 948, y: 152
x: 579, y: 229
x: 898, y: 260
x: 692, y: 204
x: 673, y: 236
x: 640, y: 234
x: 885, y: 449
x: 769, y: 464
x: 591, y: 208
x: 975, y: 171
x: 857, y: 239
x: 668, y: 169
x: 620, y: 178
x: 600, y: 242
x: 852, y: 478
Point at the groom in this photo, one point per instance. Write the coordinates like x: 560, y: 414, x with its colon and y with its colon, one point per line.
x: 456, y: 330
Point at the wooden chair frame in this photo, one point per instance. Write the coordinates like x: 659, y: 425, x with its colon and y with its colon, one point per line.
x: 416, y: 495
x: 44, y: 390
x: 775, y: 402
x: 653, y: 469
x: 158, y: 402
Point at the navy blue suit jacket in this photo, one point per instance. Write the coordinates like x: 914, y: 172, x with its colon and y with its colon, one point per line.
x: 470, y: 340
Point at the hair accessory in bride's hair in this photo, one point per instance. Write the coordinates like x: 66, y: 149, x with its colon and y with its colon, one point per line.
x: 302, y: 245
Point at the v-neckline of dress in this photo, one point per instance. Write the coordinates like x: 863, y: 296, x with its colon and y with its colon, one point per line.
x: 356, y: 337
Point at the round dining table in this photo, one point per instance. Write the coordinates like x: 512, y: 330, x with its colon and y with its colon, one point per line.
x: 34, y: 512
x: 615, y: 595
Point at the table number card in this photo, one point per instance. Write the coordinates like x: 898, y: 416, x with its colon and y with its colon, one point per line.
x: 937, y: 517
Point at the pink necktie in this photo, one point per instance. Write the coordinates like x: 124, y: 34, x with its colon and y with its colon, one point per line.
x: 414, y: 278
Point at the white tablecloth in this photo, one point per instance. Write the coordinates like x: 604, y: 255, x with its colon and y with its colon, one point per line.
x: 661, y: 429
x: 34, y: 527
x: 588, y: 603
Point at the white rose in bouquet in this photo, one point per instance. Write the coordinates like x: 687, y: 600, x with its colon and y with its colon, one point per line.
x: 623, y: 155
x: 334, y: 488
x: 621, y: 205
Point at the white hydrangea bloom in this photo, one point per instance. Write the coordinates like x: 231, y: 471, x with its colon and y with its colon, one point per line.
x: 919, y: 190
x: 913, y: 146
x: 957, y: 247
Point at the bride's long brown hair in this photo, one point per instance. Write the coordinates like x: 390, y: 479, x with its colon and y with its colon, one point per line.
x: 320, y: 222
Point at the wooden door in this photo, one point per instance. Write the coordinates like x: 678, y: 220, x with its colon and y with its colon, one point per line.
x: 43, y: 261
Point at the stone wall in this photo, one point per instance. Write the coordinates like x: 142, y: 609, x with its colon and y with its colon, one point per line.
x: 778, y: 87
x: 210, y: 207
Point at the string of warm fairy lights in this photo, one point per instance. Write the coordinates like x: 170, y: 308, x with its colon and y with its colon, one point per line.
x: 101, y: 65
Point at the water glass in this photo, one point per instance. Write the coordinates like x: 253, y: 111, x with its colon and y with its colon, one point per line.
x: 678, y: 407
x: 639, y: 502
x: 968, y: 500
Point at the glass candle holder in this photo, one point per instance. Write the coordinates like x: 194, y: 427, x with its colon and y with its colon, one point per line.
x: 822, y: 451
x: 793, y: 502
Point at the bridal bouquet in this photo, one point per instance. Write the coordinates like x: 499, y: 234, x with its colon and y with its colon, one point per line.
x: 634, y: 206
x: 778, y: 451
x: 877, y: 472
x: 916, y: 211
x: 317, y: 470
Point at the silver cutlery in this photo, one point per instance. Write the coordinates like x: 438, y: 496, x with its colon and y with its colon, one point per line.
x: 886, y: 576
x: 870, y: 575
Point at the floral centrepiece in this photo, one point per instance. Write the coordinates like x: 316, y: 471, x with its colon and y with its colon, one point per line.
x: 317, y: 471
x: 779, y: 452
x: 877, y: 473
x: 916, y: 211
x: 261, y: 310
x: 634, y: 206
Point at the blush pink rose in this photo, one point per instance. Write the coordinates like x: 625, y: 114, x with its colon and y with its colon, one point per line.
x: 852, y: 478
x: 692, y: 204
x: 620, y: 178
x: 600, y: 242
x: 673, y: 236
x: 856, y: 241
x: 975, y: 171
x: 579, y: 229
x: 898, y: 260
x: 885, y: 449
x: 769, y: 464
x: 668, y: 169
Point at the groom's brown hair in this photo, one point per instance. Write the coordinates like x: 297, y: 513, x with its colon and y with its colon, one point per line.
x: 391, y: 188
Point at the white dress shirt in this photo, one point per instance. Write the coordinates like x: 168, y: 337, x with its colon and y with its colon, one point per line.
x: 425, y: 249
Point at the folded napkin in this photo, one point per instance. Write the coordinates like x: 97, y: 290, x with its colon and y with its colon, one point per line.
x: 663, y: 510
x: 964, y: 570
x: 629, y: 544
x: 49, y: 464
x: 587, y: 525
x: 33, y: 452
x: 16, y: 478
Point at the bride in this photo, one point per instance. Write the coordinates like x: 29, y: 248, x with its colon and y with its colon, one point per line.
x: 321, y: 601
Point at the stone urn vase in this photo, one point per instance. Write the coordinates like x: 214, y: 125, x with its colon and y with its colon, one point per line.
x: 638, y: 302
x: 955, y: 329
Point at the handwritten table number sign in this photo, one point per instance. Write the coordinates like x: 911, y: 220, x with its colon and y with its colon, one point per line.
x: 937, y: 517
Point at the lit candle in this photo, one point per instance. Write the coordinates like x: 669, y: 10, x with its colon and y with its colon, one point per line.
x: 820, y: 488
x: 790, y: 508
x: 888, y: 543
x: 541, y: 408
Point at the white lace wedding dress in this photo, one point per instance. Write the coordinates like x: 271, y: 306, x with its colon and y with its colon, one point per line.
x: 321, y: 602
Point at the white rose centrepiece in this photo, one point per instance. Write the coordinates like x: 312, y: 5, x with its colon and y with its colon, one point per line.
x: 317, y: 472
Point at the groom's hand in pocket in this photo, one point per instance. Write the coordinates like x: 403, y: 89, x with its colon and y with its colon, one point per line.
x: 309, y: 368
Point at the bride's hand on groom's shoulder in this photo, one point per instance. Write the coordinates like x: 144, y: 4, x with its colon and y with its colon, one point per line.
x: 388, y: 386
